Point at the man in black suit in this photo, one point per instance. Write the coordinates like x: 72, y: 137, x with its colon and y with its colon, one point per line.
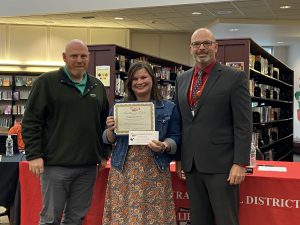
x: 215, y: 106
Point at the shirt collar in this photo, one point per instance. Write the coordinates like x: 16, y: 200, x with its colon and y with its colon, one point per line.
x: 207, y: 69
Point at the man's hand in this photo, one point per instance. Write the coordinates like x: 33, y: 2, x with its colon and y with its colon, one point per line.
x: 102, y: 165
x: 236, y: 175
x: 36, y: 166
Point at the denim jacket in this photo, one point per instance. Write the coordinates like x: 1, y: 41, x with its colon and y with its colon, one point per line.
x: 167, y: 122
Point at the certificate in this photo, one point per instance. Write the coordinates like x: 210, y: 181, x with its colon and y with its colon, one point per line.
x: 142, y: 137
x: 134, y: 116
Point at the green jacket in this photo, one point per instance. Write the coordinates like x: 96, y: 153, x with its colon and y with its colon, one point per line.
x: 61, y: 125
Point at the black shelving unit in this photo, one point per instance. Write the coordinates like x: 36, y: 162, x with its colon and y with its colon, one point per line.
x: 14, y: 90
x: 111, y: 55
x: 272, y: 94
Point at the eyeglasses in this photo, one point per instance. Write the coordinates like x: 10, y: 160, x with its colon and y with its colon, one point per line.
x: 206, y: 43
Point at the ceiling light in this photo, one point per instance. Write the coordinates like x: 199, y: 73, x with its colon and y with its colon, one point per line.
x: 285, y: 7
x: 119, y: 18
x: 233, y: 29
x: 87, y: 17
x: 224, y: 12
x: 280, y: 42
x: 196, y: 13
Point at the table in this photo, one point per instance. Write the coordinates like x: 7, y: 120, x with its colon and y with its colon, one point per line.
x: 9, y: 186
x: 266, y: 197
x: 271, y: 197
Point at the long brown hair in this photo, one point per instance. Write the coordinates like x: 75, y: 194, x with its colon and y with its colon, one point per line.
x: 155, y: 93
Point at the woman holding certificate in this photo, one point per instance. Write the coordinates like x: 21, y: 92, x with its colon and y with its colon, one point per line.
x: 139, y: 189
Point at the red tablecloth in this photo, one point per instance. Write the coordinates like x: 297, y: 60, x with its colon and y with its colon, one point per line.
x: 271, y: 197
x: 265, y: 197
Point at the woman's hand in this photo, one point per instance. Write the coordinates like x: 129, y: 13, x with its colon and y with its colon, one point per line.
x: 158, y: 146
x: 110, y: 123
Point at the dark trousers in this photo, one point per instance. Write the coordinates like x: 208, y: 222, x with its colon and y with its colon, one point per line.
x: 67, y: 194
x: 212, y: 199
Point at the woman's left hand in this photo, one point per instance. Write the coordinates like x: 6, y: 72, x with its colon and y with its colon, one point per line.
x: 157, y: 146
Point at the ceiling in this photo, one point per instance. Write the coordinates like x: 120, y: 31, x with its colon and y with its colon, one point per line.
x: 262, y: 20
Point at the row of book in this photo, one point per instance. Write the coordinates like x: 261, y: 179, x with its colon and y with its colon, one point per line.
x: 18, y: 109
x: 161, y: 72
x: 263, y: 91
x: 257, y: 62
x: 269, y: 135
x: 120, y: 86
x: 258, y: 142
x: 262, y: 65
x: 167, y: 91
x: 14, y: 95
x: 5, y: 122
x: 167, y: 73
x: 265, y: 114
x: 24, y: 80
x: 6, y: 81
x: 122, y: 63
x: 12, y: 109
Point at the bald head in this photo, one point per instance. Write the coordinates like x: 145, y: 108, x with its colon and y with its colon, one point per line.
x: 75, y: 43
x: 76, y: 57
x: 203, y: 32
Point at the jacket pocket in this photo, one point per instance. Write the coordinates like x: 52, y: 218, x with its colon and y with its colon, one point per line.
x: 222, y: 140
x: 162, y: 125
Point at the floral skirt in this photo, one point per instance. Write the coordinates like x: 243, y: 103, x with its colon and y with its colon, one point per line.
x: 141, y: 194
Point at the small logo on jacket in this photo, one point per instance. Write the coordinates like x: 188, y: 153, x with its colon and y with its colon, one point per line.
x: 93, y: 95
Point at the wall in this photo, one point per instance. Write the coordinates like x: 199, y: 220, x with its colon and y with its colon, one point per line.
x: 281, y: 53
x: 172, y: 46
x: 46, y: 43
x: 294, y: 63
x: 25, y: 43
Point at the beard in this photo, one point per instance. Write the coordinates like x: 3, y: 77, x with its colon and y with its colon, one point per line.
x: 203, y: 59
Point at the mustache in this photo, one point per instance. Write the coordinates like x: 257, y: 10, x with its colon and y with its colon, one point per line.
x: 79, y: 64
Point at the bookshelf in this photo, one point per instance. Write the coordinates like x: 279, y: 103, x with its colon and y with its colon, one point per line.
x: 115, y: 61
x: 271, y: 90
x: 14, y: 91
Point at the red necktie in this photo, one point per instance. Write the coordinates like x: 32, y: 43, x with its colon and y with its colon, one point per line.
x: 197, y: 84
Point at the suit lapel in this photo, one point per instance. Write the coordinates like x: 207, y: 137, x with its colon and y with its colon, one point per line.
x: 187, y: 80
x: 211, y: 80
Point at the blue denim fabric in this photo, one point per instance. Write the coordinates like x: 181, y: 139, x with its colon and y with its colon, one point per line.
x: 168, y: 123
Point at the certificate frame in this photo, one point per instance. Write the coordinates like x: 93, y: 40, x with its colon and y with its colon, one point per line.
x: 134, y: 116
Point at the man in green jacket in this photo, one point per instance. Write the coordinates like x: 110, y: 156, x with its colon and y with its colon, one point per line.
x: 62, y: 130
